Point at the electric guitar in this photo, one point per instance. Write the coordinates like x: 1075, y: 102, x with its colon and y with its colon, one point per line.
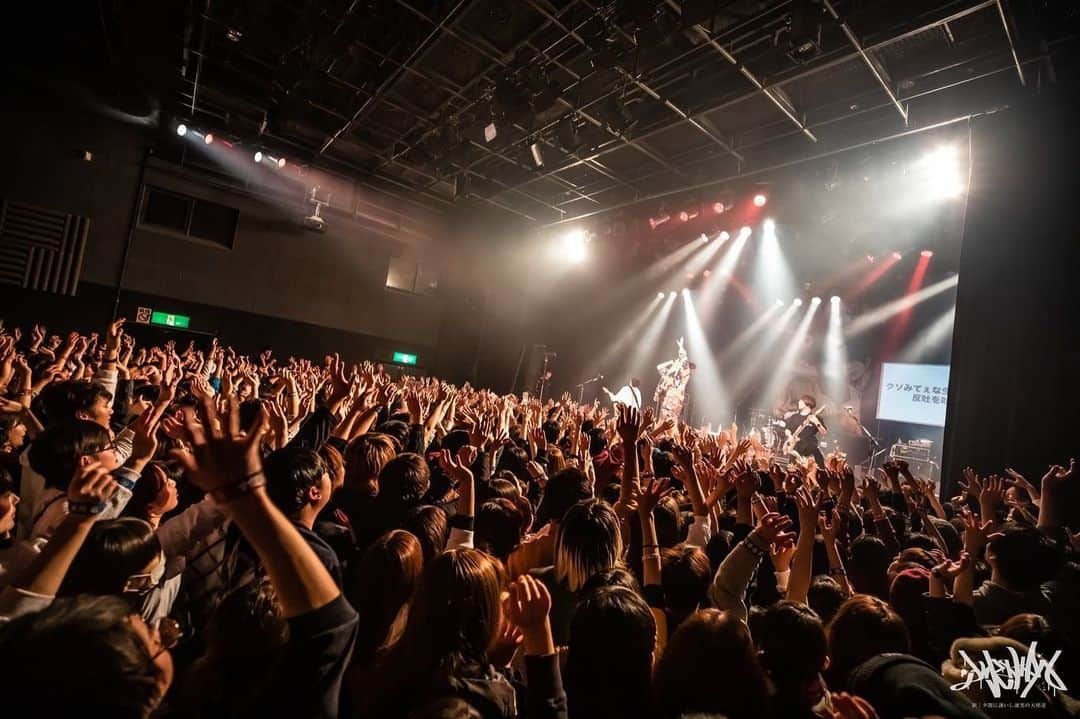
x: 793, y: 437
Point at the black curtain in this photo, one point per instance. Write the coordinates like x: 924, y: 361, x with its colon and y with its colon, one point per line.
x: 1015, y: 393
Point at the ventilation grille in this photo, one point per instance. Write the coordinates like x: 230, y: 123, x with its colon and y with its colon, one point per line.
x: 41, y: 249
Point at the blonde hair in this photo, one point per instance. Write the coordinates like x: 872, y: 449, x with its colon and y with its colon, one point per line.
x: 588, y: 542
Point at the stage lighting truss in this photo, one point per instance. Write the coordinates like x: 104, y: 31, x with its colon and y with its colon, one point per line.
x: 259, y: 155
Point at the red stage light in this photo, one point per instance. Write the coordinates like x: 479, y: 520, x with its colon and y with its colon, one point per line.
x: 684, y: 216
x: 718, y: 208
x: 655, y: 222
x: 927, y: 253
x: 208, y: 138
x: 760, y: 200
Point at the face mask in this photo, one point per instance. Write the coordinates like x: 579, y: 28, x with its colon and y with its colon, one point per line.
x: 146, y: 581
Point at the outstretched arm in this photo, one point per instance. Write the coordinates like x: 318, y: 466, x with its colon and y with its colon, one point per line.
x: 228, y: 467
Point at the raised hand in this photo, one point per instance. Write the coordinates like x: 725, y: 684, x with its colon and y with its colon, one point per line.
x: 220, y: 455
x: 975, y: 532
x: 808, y: 509
x: 990, y: 498
x: 628, y: 425
x: 971, y: 483
x: 527, y: 604
x: 746, y: 483
x: 781, y: 553
x: 1057, y: 476
x: 653, y: 492
x: 829, y: 526
x: 872, y: 491
x: 91, y: 485
x: 112, y: 338
x: 144, y: 442
x: 773, y: 528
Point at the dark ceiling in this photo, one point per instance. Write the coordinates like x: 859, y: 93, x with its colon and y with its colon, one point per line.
x: 626, y: 101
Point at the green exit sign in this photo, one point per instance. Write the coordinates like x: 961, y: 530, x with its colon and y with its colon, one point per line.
x: 170, y: 320
x: 404, y: 358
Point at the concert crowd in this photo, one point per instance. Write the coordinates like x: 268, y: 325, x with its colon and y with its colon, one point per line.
x: 198, y: 532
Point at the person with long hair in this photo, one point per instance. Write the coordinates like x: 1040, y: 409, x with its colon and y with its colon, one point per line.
x: 588, y: 542
x: 610, y: 657
x: 687, y: 680
x: 379, y: 586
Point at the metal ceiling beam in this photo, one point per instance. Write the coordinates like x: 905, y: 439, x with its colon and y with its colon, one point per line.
x: 869, y: 61
x: 802, y: 74
x: 746, y: 27
x: 451, y: 88
x: 771, y: 168
x: 643, y: 86
x: 604, y: 126
x: 418, y: 52
x: 1009, y: 37
x: 705, y: 35
x: 445, y: 85
x: 477, y: 78
x: 834, y: 120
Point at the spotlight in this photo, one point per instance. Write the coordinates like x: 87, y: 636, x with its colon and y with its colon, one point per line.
x: 671, y: 294
x: 897, y: 256
x: 685, y: 291
x: 689, y: 275
x: 870, y: 258
x: 281, y: 162
x: 181, y: 129
x: 769, y: 225
x: 718, y: 208
x: 703, y: 237
x: 208, y: 138
x: 707, y: 273
x: 779, y: 303
x: 684, y: 216
x: 573, y: 246
x: 724, y: 236
x: 760, y: 200
x: 815, y: 301
x: 835, y: 299
x: 655, y: 222
x: 745, y: 231
x: 659, y: 295
x: 258, y: 156
x: 943, y: 176
x: 537, y: 153
x: 927, y: 253
x: 797, y: 302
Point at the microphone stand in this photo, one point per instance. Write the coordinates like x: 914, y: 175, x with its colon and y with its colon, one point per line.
x: 870, y: 438
x: 581, y: 387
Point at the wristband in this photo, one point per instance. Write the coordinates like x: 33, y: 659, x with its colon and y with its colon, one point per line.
x: 460, y: 521
x: 112, y: 358
x: 243, y: 488
x: 86, y: 509
x: 650, y: 546
x: 754, y: 548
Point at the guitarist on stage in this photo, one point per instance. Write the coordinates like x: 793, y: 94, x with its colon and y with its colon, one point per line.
x: 805, y: 429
